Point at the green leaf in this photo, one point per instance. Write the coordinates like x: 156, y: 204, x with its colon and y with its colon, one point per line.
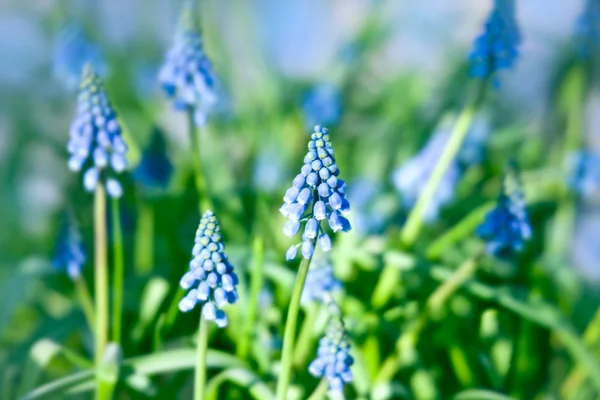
x: 154, y: 294
x: 480, y: 394
x: 153, y: 364
x: 242, y: 377
x: 40, y: 356
x: 540, y: 313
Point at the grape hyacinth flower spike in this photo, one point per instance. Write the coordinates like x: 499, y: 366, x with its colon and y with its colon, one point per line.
x: 210, y: 273
x: 333, y: 358
x: 506, y: 228
x: 186, y: 76
x: 95, y: 142
x: 497, y: 47
x: 316, y: 195
x: 320, y: 282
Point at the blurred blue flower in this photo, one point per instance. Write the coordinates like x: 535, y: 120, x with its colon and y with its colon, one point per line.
x: 322, y: 104
x: 584, y: 173
x: 72, y: 51
x: 333, y: 358
x: 497, y: 47
x: 370, y: 210
x: 69, y: 253
x: 269, y: 169
x: 155, y: 169
x: 95, y: 142
x: 320, y: 282
x: 186, y: 76
x: 587, y: 30
x: 211, y: 271
x: 506, y: 228
x: 316, y: 189
x: 411, y: 177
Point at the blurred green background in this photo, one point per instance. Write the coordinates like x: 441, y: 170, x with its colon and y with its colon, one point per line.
x: 384, y: 77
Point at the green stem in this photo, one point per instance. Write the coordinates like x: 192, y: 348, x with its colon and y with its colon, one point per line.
x: 287, y: 354
x: 117, y: 315
x: 100, y: 276
x: 414, y: 222
x: 591, y: 337
x: 388, y: 279
x: 144, y: 239
x: 201, y: 349
x: 205, y: 202
x: 320, y: 391
x: 85, y: 300
x: 305, y: 336
x: 256, y: 282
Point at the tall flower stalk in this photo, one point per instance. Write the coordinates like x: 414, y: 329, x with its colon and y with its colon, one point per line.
x: 187, y: 79
x: 96, y: 146
x: 316, y: 195
x: 493, y: 51
x: 213, y: 284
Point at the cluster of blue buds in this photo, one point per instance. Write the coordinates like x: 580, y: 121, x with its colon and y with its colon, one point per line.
x: 213, y: 273
x: 69, y: 253
x: 320, y: 282
x: 588, y: 29
x: 497, y: 47
x: 186, y: 76
x: 155, y: 169
x: 316, y: 195
x: 333, y: 358
x: 506, y: 228
x: 72, y: 51
x: 95, y: 142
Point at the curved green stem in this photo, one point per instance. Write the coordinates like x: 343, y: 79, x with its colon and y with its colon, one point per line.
x: 205, y: 202
x: 118, y: 272
x: 289, y: 335
x: 85, y: 300
x: 201, y: 349
x: 100, y: 276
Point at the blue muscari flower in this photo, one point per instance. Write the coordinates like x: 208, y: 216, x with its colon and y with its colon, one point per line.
x: 412, y: 176
x: 316, y: 195
x: 584, y: 173
x: 72, y: 51
x: 322, y: 104
x: 210, y: 272
x: 69, y: 253
x: 154, y: 170
x: 186, y: 75
x: 95, y: 143
x: 320, y: 282
x: 506, y: 228
x: 333, y: 358
x: 588, y: 29
x: 497, y: 47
